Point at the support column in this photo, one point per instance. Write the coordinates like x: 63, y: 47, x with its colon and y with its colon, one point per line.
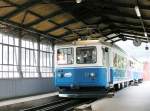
x: 20, y: 56
x: 38, y: 58
x: 53, y: 57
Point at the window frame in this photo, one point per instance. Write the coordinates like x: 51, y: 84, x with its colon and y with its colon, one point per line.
x: 46, y: 70
x: 72, y: 52
x: 11, y: 71
x: 86, y: 47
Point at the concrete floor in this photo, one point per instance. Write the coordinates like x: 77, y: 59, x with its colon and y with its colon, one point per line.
x: 133, y: 98
x: 27, y: 102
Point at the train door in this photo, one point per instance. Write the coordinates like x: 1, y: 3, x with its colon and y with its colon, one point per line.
x: 106, y: 61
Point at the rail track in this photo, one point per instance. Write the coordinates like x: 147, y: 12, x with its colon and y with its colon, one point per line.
x: 62, y: 104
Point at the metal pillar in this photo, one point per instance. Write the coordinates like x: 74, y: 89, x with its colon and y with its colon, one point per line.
x: 53, y: 57
x: 20, y: 56
x: 38, y: 58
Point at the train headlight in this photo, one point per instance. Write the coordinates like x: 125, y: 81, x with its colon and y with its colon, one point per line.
x: 60, y: 75
x: 92, y: 75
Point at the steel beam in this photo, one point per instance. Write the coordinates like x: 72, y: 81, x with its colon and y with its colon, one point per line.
x: 21, y: 8
x: 111, y: 38
x: 119, y: 4
x: 11, y: 3
x: 116, y: 41
x: 132, y: 29
x: 61, y: 25
x: 135, y: 37
x: 131, y: 32
x: 19, y: 26
x: 43, y: 18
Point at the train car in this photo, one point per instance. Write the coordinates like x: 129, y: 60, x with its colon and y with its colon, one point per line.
x: 137, y: 71
x: 90, y: 68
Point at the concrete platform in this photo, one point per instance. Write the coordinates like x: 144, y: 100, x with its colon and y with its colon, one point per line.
x: 133, y: 98
x: 26, y: 102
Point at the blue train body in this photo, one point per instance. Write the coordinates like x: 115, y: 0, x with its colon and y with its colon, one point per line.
x: 81, y: 77
x: 94, y: 76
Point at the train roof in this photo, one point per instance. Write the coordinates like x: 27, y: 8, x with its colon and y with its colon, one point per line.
x: 95, y: 42
x: 90, y: 42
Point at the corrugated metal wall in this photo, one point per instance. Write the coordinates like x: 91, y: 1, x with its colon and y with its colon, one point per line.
x: 12, y: 88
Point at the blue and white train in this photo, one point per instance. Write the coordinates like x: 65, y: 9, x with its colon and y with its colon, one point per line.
x: 88, y: 68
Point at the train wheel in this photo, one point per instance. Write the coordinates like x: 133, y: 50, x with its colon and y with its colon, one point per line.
x: 128, y: 84
x: 121, y: 85
x: 125, y: 84
x: 116, y: 87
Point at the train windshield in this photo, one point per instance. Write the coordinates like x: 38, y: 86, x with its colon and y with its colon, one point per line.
x: 86, y: 55
x: 65, y: 56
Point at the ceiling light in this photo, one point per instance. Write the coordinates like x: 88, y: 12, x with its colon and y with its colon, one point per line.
x: 145, y: 33
x: 137, y: 10
x: 137, y: 42
x: 146, y: 48
x: 78, y: 1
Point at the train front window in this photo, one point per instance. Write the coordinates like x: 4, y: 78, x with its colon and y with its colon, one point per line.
x: 86, y: 55
x: 65, y: 56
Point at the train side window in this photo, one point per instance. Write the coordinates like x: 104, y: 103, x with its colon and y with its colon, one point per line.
x: 115, y: 60
x: 65, y: 56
